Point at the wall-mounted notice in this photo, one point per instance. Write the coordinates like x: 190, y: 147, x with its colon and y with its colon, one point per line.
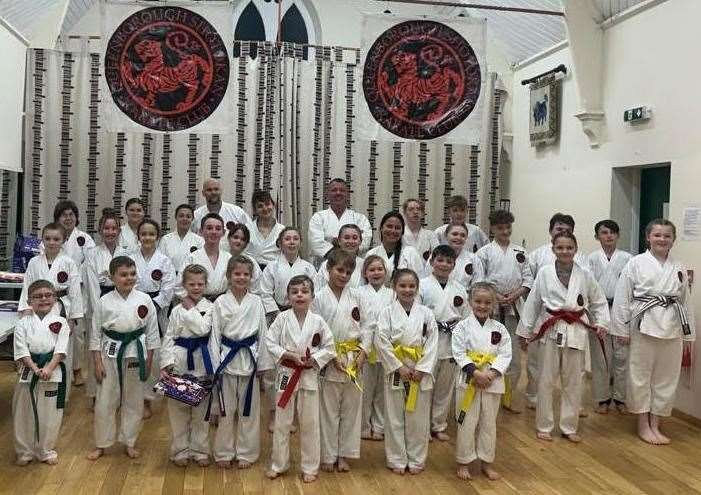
x: 691, y: 228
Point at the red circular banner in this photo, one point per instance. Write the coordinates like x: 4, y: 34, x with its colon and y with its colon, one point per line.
x: 167, y: 68
x: 421, y: 79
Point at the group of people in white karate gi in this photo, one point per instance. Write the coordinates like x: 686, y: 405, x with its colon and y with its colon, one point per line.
x: 376, y: 344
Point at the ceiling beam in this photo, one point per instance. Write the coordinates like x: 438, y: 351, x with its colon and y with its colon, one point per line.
x: 476, y: 6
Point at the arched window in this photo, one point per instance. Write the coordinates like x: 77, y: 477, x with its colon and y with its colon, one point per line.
x: 257, y: 20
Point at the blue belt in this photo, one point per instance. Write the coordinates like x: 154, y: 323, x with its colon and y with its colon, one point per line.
x: 192, y: 344
x: 234, y: 347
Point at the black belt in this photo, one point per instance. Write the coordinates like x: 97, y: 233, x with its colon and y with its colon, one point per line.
x: 61, y: 293
x: 446, y: 326
x: 213, y: 297
x: 283, y: 307
x: 106, y: 289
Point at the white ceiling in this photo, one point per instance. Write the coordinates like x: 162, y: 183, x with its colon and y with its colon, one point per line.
x: 519, y: 35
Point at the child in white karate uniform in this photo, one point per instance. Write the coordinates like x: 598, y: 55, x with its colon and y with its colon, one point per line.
x: 448, y: 301
x: 457, y: 207
x: 375, y: 296
x: 481, y: 347
x: 40, y: 346
x: 128, y: 236
x: 264, y: 229
x: 652, y: 311
x: 566, y: 303
x: 421, y: 239
x: 179, y: 243
x: 238, y: 238
x: 237, y: 341
x: 341, y: 382
x: 300, y: 343
x: 468, y: 267
x: 407, y: 341
x: 349, y: 239
x: 124, y: 337
x: 185, y: 351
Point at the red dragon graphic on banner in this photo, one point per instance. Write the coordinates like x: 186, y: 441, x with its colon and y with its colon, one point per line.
x: 421, y: 79
x: 167, y: 68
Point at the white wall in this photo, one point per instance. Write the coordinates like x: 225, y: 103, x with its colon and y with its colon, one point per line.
x: 12, y: 66
x: 646, y: 62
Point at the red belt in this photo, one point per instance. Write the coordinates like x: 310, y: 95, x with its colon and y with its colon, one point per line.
x: 570, y: 317
x: 294, y: 379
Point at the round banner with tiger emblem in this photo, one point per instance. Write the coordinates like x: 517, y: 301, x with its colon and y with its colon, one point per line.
x: 421, y: 79
x: 167, y: 68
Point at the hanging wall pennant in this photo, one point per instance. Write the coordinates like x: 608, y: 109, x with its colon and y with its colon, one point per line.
x: 167, y: 68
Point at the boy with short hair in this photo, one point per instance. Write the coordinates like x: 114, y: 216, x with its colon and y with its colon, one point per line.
x: 457, y: 213
x: 40, y: 346
x: 124, y: 336
x: 608, y: 372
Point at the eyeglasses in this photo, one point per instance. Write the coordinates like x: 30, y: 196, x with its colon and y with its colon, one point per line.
x: 40, y: 296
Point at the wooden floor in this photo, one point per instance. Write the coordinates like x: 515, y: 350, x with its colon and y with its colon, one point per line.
x: 610, y: 460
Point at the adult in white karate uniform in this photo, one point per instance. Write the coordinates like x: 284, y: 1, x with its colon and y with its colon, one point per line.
x: 391, y: 249
x: 237, y: 341
x: 324, y: 225
x: 375, y: 296
x: 566, y: 303
x: 481, y: 348
x: 448, y: 301
x: 123, y: 339
x: 468, y: 267
x: 299, y: 343
x: 264, y: 230
x: 350, y: 237
x: 185, y: 350
x: 457, y: 214
x: 230, y: 213
x: 506, y: 267
x: 652, y: 308
x: 537, y: 259
x: 40, y: 344
x: 415, y: 235
x: 182, y: 241
x: 341, y: 383
x: 211, y: 257
x: 608, y: 371
x: 128, y: 238
x: 407, y: 342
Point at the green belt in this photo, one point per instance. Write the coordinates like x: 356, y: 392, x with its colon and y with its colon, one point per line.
x: 126, y: 339
x: 42, y: 360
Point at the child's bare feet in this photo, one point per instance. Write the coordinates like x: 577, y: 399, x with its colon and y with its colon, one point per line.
x: 293, y: 429
x: 379, y: 436
x: 531, y: 405
x: 644, y: 431
x: 78, y: 378
x: 572, y: 437
x: 224, y: 464
x: 180, y: 462
x: 203, y: 462
x: 602, y: 408
x: 91, y: 404
x: 309, y: 478
x: 489, y: 471
x: 327, y: 467
x: 148, y: 412
x: 271, y: 423
x: 583, y: 413
x: 415, y: 470
x: 23, y: 461
x: 544, y: 435
x: 511, y: 409
x: 441, y: 435
x: 132, y: 453
x: 244, y: 464
x: 464, y: 472
x: 367, y: 435
x: 95, y: 454
x: 399, y: 471
x: 621, y: 408
x: 271, y: 475
x: 343, y: 466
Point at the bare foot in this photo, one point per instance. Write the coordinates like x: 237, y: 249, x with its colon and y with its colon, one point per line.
x: 293, y: 429
x: 572, y: 437
x: 379, y: 436
x: 531, y: 405
x: 309, y: 478
x: 644, y: 431
x: 271, y: 475
x: 271, y: 424
x: 366, y: 435
x: 415, y: 470
x: 147, y: 410
x: 655, y: 427
x: 327, y: 467
x: 224, y: 464
x: 91, y: 404
x: 621, y: 408
x: 399, y: 471
x: 583, y: 413
x: 203, y: 462
x: 244, y: 464
x: 23, y: 461
x: 602, y: 408
x: 132, y: 453
x: 343, y: 466
x: 78, y: 378
x: 511, y: 409
x: 95, y: 454
x: 489, y: 471
x: 180, y: 462
x: 544, y: 435
x: 464, y: 472
x: 441, y: 435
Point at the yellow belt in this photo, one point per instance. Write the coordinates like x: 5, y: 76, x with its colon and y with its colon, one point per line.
x: 413, y: 353
x: 481, y: 361
x: 346, y: 347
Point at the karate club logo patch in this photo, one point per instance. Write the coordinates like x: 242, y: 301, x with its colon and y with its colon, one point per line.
x: 580, y: 300
x: 62, y: 277
x: 142, y: 311
x: 520, y: 257
x: 167, y: 68
x: 457, y: 301
x: 156, y: 275
x: 55, y: 327
x: 355, y: 314
x: 81, y: 241
x: 421, y: 79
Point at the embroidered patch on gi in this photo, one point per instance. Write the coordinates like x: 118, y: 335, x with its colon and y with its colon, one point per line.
x: 469, y: 269
x: 62, y: 277
x: 230, y: 225
x: 283, y: 382
x: 156, y: 275
x: 193, y: 249
x: 80, y: 240
x: 427, y: 255
x: 316, y: 340
x: 496, y: 338
x: 142, y: 311
x: 51, y: 393
x: 112, y: 350
x: 580, y: 300
x: 681, y: 276
x: 355, y: 314
x: 520, y: 257
x: 55, y: 327
x: 457, y: 301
